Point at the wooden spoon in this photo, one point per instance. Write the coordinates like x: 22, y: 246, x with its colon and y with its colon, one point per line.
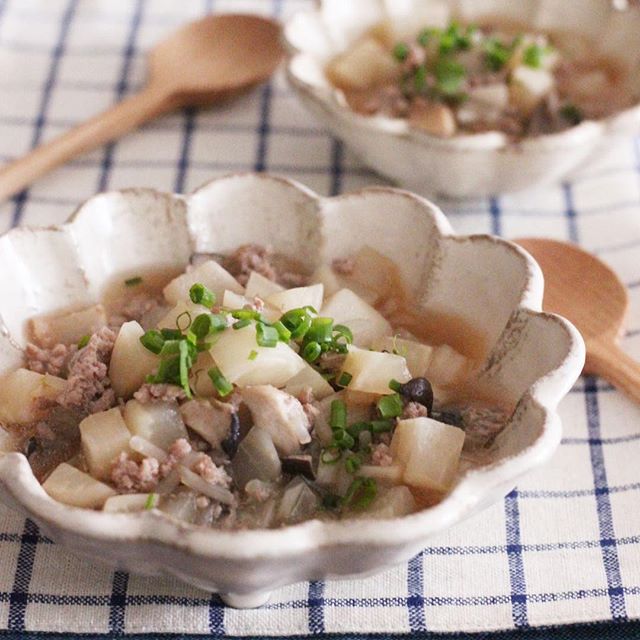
x: 202, y: 63
x: 587, y: 292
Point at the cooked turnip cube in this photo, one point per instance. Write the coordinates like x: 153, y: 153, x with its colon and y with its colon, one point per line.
x: 367, y: 325
x: 128, y: 503
x: 68, y: 328
x: 364, y: 65
x: 392, y: 503
x: 429, y: 451
x: 529, y: 87
x: 158, y: 422
x: 20, y: 393
x: 258, y: 285
x: 391, y: 473
x: 256, y: 458
x: 298, y: 502
x: 210, y: 274
x: 280, y: 414
x: 297, y: 298
x: 375, y: 272
x: 233, y: 354
x: 71, y: 486
x: 334, y: 477
x: 416, y: 354
x: 447, y: 367
x: 199, y: 380
x: 371, y: 371
x: 309, y: 378
x: 103, y: 436
x: 182, y: 315
x: 232, y: 300
x: 326, y: 276
x: 131, y: 363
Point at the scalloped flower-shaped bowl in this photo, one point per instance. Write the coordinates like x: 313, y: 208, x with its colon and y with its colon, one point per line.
x: 466, y: 165
x: 490, y: 283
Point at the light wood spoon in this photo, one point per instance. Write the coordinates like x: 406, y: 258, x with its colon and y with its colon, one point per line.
x: 204, y: 62
x: 587, y: 292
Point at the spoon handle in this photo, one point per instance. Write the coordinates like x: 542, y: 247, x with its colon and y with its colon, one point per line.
x: 105, y: 127
x: 607, y: 360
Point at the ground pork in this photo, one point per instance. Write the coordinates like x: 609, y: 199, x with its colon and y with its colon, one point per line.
x: 159, y: 393
x: 129, y: 476
x: 248, y: 258
x: 53, y: 361
x: 414, y: 410
x: 289, y: 279
x: 343, y: 266
x: 209, y: 471
x: 381, y: 455
x: 88, y: 379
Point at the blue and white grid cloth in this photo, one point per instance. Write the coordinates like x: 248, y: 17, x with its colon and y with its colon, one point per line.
x: 563, y: 548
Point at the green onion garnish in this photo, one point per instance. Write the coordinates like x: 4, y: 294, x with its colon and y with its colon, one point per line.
x: 382, y: 426
x: 222, y: 385
x: 151, y: 501
x: 360, y: 493
x: 152, y: 341
x: 357, y: 428
x: 450, y: 76
x: 199, y: 294
x: 390, y: 406
x: 420, y: 79
x: 84, y: 341
x: 243, y: 314
x: 320, y: 330
x: 266, y: 336
x: 344, y: 379
x: 533, y: 56
x: 401, y: 51
x: 330, y: 455
x: 338, y: 415
x: 283, y: 332
x: 394, y: 385
x: 133, y: 282
x: 241, y: 324
x: 201, y: 327
x: 311, y: 351
x: 342, y: 439
x: 253, y: 354
x: 171, y: 334
x: 496, y: 54
x: 342, y: 331
x: 301, y: 329
x: 186, y: 362
x: 183, y: 321
x: 353, y: 463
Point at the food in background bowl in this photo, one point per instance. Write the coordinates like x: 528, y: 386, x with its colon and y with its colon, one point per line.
x: 230, y: 401
x: 464, y: 79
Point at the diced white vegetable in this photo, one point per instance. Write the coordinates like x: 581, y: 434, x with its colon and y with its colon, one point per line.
x: 429, y: 451
x: 210, y: 274
x: 232, y: 300
x: 447, y: 366
x: 416, y: 354
x: 183, y: 314
x: 529, y: 86
x: 199, y: 378
x: 309, y: 378
x: 367, y: 325
x: 103, y: 437
x: 158, y: 422
x: 333, y: 477
x: 199, y: 484
x: 130, y: 362
x: 375, y: 272
x: 20, y: 392
x: 180, y: 504
x: 210, y: 420
x: 298, y: 297
x: 147, y: 449
x: 366, y: 64
x: 371, y: 371
x: 71, y: 486
x: 298, y: 502
x: 258, y: 285
x: 256, y: 458
x: 129, y: 503
x: 392, y: 473
x: 68, y: 328
x: 272, y: 365
x: 280, y: 415
x: 328, y: 278
x: 435, y: 118
x: 392, y: 503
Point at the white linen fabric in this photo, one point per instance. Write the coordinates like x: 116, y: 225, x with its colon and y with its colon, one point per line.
x: 562, y: 548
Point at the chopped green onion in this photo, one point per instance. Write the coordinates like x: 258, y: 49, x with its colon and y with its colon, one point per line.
x: 342, y: 331
x: 266, y: 336
x: 185, y: 315
x: 199, y: 294
x: 420, y: 79
x: 426, y: 35
x: 357, y: 428
x: 496, y: 54
x: 533, y: 56
x: 241, y: 324
x: 133, y: 282
x: 338, y: 415
x: 202, y: 325
x: 344, y: 379
x: 353, y: 463
x: 394, y: 385
x: 283, y: 332
x: 342, y: 439
x: 450, y: 76
x: 401, y: 51
x: 311, y: 351
x: 243, y: 314
x: 360, y: 493
x: 253, y: 354
x: 84, y: 341
x: 222, y: 385
x: 330, y: 455
x: 320, y: 330
x: 152, y: 341
x: 382, y: 426
x: 151, y: 501
x: 301, y: 329
x: 171, y: 334
x: 185, y: 364
x: 218, y: 322
x: 390, y: 406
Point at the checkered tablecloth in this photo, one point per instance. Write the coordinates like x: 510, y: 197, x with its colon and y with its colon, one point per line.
x: 563, y: 548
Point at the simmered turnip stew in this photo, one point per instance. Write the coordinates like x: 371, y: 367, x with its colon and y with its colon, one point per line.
x: 247, y: 394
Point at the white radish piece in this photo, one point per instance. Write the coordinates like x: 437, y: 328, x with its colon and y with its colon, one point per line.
x: 67, y: 328
x: 326, y: 276
x: 234, y: 354
x: 256, y: 459
x: 447, y: 367
x: 258, y: 285
x: 103, y: 437
x: 371, y: 371
x: 182, y: 315
x: 76, y: 488
x: 366, y: 64
x: 309, y: 378
x: 416, y: 354
x: 429, y: 452
x: 374, y: 272
x: 129, y: 503
x: 529, y: 87
x: 394, y: 502
x: 391, y: 474
x: 279, y: 414
x: 298, y: 502
x: 147, y: 449
x: 232, y: 300
x: 131, y: 362
x: 297, y: 298
x: 158, y: 422
x: 21, y: 392
x: 366, y: 324
x: 210, y: 274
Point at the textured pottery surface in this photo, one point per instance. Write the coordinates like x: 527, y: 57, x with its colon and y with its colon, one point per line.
x: 495, y: 286
x: 469, y: 165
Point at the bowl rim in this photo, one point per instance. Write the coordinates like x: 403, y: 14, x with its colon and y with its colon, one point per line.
x: 493, y: 140
x: 19, y: 483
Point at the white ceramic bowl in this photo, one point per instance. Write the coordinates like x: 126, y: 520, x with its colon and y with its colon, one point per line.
x: 466, y: 165
x: 494, y: 285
